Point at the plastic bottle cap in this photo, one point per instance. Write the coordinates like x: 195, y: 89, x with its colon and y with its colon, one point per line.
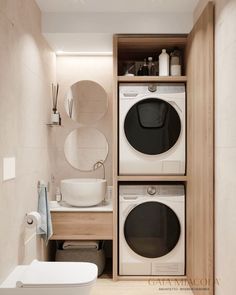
x: 164, y: 50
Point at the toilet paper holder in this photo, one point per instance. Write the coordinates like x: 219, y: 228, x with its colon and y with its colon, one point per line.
x: 33, y: 221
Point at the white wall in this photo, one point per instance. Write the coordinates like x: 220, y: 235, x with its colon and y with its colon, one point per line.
x: 116, y: 22
x: 27, y: 68
x: 83, y: 31
x: 225, y: 143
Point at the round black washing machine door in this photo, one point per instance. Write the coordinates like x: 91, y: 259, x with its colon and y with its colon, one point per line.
x: 152, y: 229
x: 152, y: 126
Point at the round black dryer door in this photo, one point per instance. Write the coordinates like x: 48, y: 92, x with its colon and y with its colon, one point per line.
x: 152, y: 229
x: 152, y: 126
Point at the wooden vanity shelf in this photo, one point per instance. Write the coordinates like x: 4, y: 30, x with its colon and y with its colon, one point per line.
x: 82, y: 225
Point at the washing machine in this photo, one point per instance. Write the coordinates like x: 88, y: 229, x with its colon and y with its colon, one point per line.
x: 151, y: 230
x: 151, y: 129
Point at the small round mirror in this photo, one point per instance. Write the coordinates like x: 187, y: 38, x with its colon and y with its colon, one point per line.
x: 84, y: 147
x: 86, y: 102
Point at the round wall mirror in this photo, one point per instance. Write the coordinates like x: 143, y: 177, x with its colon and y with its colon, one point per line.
x: 84, y: 147
x: 86, y: 102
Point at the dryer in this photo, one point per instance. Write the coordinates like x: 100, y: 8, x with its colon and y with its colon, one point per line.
x: 151, y: 230
x: 151, y: 129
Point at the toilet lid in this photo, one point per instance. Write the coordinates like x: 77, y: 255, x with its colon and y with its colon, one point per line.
x: 57, y: 274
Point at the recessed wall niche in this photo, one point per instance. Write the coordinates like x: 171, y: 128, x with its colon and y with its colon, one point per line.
x: 86, y: 102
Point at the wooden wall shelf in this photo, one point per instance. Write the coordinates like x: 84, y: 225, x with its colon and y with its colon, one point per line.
x: 152, y: 79
x: 152, y: 178
x: 143, y: 41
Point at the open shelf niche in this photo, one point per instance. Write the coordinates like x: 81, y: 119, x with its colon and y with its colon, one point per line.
x: 134, y: 49
x: 129, y: 49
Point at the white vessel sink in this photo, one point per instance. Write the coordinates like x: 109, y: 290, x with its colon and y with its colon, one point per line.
x: 83, y: 192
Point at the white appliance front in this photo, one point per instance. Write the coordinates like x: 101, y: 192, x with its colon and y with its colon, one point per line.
x: 152, y: 129
x: 151, y: 230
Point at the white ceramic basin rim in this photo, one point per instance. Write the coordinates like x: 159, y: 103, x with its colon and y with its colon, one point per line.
x: 83, y: 192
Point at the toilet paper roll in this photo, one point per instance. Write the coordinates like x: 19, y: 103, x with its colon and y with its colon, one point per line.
x: 33, y: 220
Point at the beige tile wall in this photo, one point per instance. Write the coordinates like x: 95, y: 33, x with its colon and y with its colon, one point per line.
x: 225, y: 143
x: 27, y: 69
x: 71, y: 69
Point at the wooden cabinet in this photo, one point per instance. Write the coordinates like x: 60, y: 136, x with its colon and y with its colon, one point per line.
x: 82, y: 225
x: 198, y: 71
x: 200, y: 145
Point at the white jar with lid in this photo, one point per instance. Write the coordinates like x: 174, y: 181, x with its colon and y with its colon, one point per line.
x: 164, y: 60
x: 175, y: 65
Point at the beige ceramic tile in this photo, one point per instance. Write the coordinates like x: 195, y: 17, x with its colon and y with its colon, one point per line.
x: 26, y: 72
x: 8, y: 88
x: 225, y: 46
x: 225, y: 102
x: 225, y: 156
x: 225, y: 29
x: 225, y: 219
x: 24, y: 14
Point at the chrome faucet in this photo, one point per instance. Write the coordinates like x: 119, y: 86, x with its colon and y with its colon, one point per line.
x: 97, y: 165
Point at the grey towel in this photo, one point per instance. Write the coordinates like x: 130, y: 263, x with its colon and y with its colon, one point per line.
x: 80, y: 245
x: 43, y: 209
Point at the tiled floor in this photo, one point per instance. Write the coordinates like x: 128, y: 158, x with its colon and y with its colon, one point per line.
x: 107, y: 286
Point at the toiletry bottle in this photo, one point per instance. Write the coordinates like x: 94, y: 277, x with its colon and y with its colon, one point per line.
x: 164, y: 63
x: 151, y: 67
x: 175, y: 62
x: 145, y: 68
x: 140, y: 71
x: 58, y: 195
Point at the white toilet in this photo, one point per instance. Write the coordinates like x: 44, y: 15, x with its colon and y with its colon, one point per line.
x: 51, y: 278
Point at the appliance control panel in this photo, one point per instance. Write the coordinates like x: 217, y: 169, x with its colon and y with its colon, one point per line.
x: 152, y: 189
x: 131, y: 91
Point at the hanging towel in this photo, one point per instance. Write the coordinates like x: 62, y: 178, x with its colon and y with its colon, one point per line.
x: 80, y: 245
x: 43, y: 209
